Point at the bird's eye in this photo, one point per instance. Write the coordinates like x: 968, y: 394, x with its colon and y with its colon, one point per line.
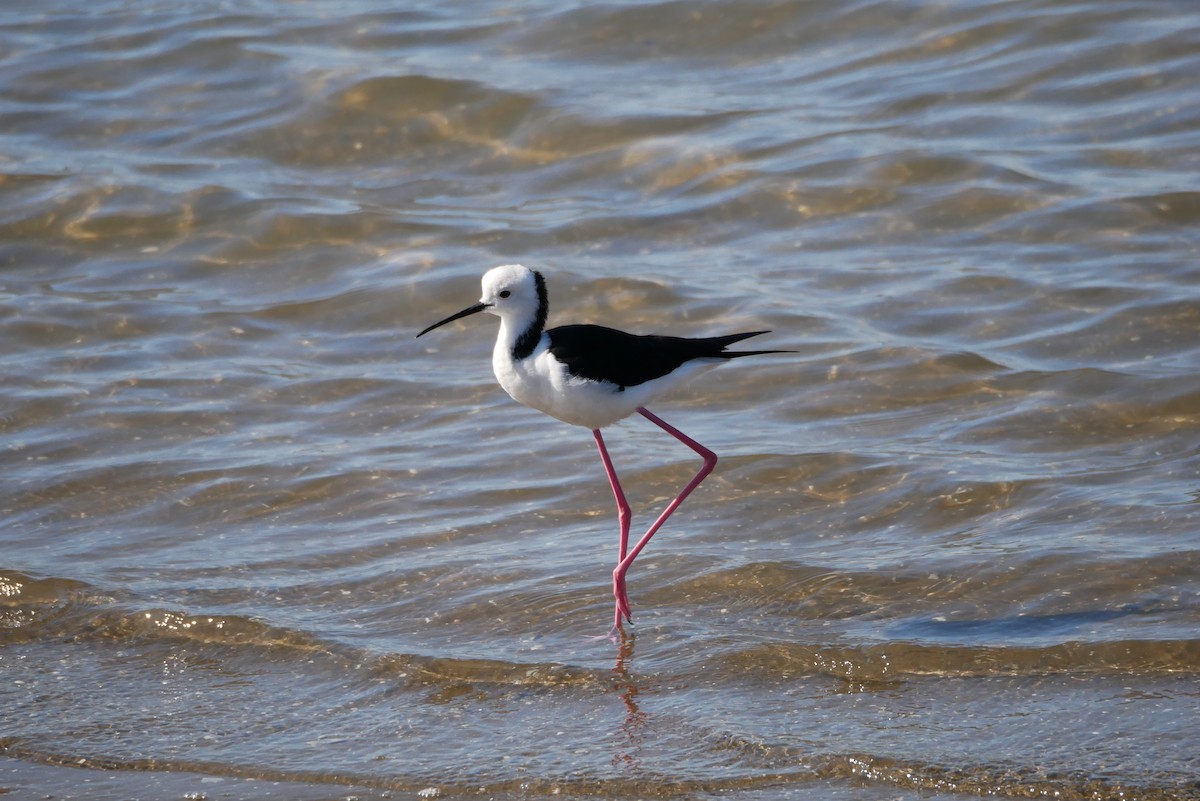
x: 504, y: 293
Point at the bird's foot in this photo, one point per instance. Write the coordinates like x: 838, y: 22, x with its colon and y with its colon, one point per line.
x: 617, y: 633
x: 622, y: 599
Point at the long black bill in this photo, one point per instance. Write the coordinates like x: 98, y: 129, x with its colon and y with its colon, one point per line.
x: 478, y: 307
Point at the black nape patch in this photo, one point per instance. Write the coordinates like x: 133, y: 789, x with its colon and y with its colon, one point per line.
x: 528, y: 340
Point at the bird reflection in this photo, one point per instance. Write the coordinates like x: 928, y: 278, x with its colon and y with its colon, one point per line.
x: 633, y: 727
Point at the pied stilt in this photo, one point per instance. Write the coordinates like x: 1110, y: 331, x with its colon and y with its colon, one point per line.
x: 592, y: 376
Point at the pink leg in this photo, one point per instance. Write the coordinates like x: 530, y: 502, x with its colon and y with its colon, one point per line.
x: 710, y: 461
x: 624, y: 515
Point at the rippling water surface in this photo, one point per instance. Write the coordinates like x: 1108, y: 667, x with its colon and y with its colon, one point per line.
x: 259, y: 542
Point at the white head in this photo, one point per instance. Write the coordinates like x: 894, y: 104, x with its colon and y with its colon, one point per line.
x: 515, y: 294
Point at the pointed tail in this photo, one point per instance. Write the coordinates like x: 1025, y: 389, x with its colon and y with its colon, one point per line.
x: 729, y: 339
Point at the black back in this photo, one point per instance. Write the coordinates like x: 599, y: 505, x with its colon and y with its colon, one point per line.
x: 606, y: 354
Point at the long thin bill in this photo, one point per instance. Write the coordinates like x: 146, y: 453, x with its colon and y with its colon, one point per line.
x: 478, y: 307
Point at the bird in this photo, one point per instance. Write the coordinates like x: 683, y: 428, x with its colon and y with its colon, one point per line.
x: 592, y: 376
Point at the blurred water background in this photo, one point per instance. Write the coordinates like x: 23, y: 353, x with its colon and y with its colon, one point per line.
x: 257, y: 542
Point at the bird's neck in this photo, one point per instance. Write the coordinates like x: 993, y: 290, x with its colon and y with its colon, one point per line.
x: 524, y: 342
x: 521, y: 340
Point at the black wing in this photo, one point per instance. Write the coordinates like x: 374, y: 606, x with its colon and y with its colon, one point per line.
x: 606, y: 354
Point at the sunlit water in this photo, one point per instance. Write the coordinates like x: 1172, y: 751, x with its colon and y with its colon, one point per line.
x: 259, y: 542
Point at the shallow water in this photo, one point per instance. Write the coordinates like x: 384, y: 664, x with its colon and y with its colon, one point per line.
x: 259, y: 542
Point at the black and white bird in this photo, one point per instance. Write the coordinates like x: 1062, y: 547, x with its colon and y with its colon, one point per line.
x: 593, y: 376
